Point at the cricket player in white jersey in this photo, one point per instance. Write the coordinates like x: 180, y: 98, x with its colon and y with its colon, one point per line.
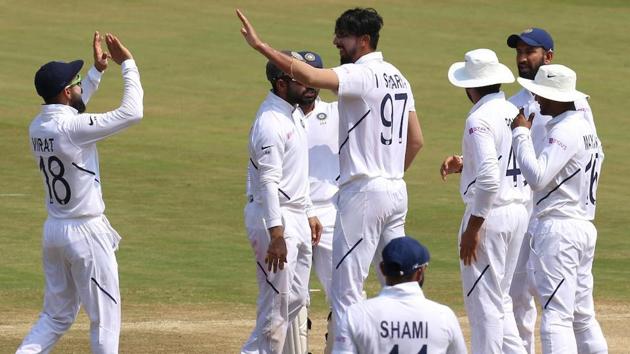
x: 495, y: 195
x: 321, y: 120
x: 379, y: 136
x: 322, y: 129
x: 564, y: 177
x: 534, y: 48
x: 78, y: 242
x: 279, y: 213
x: 401, y: 319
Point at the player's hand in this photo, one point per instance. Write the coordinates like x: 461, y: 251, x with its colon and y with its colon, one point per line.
x: 468, y: 247
x: 451, y: 164
x: 277, y: 250
x: 117, y: 50
x: 520, y: 121
x: 248, y: 31
x: 100, y: 57
x: 316, y: 229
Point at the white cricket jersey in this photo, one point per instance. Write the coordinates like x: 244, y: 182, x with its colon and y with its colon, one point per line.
x: 278, y: 156
x: 564, y: 176
x: 322, y: 131
x: 374, y: 104
x: 63, y: 143
x: 490, y: 177
x: 400, y: 320
x: 526, y: 99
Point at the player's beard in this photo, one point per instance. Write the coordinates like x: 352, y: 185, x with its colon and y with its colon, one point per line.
x: 294, y: 96
x: 76, y: 102
x: 346, y: 55
x: 530, y: 72
x: 309, y: 96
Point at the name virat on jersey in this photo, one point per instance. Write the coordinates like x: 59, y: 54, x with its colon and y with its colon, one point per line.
x: 406, y: 330
x: 43, y: 144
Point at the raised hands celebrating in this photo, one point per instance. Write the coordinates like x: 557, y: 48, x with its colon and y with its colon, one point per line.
x: 100, y: 57
x: 248, y: 32
x: 117, y: 51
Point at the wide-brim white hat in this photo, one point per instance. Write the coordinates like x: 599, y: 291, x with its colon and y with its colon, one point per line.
x: 554, y: 82
x: 480, y: 68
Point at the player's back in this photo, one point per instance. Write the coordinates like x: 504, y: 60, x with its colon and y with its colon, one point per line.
x: 70, y: 172
x: 374, y: 103
x: 572, y: 192
x: 492, y: 118
x: 402, y: 320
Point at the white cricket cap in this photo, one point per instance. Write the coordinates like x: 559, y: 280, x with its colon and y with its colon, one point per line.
x: 554, y: 82
x: 480, y: 68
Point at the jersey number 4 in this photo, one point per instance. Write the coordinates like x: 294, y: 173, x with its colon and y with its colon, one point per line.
x: 423, y: 350
x: 512, y: 169
x: 387, y: 117
x: 57, y: 180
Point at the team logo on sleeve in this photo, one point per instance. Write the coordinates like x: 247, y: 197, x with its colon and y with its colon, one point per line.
x: 309, y: 56
x: 477, y: 129
x: 557, y: 142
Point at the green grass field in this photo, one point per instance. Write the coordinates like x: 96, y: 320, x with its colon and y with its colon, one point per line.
x: 174, y: 185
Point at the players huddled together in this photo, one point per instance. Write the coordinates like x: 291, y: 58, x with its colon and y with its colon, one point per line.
x: 529, y: 169
x: 325, y: 190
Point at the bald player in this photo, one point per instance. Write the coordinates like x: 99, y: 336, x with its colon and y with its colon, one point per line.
x: 379, y: 137
x: 563, y: 175
x: 401, y: 319
x: 78, y: 242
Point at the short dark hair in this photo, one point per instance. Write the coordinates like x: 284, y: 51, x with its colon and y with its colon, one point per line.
x: 486, y: 90
x: 359, y: 22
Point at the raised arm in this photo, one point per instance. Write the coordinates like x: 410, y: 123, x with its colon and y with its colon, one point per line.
x: 299, y: 70
x: 93, y: 77
x: 90, y: 127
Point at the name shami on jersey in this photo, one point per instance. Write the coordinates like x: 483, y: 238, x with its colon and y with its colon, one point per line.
x: 411, y: 330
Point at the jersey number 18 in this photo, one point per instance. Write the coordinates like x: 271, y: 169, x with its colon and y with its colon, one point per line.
x: 57, y: 179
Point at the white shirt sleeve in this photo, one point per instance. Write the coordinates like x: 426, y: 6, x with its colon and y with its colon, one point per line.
x: 90, y: 83
x: 343, y: 341
x: 354, y: 80
x: 560, y: 146
x: 89, y: 128
x: 457, y: 343
x: 411, y: 105
x: 268, y: 150
x: 488, y: 174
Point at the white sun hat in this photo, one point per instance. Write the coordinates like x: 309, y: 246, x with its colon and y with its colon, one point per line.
x: 554, y: 82
x: 480, y: 68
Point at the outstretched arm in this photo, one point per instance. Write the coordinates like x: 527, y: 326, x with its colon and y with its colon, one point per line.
x: 90, y: 127
x: 299, y: 70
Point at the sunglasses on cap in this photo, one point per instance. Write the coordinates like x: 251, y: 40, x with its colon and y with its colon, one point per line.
x: 75, y: 82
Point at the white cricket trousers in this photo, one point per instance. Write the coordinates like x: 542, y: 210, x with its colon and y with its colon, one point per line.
x: 80, y: 268
x: 486, y: 283
x: 281, y: 295
x: 371, y: 212
x: 322, y: 253
x: 562, y: 251
x: 522, y: 292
